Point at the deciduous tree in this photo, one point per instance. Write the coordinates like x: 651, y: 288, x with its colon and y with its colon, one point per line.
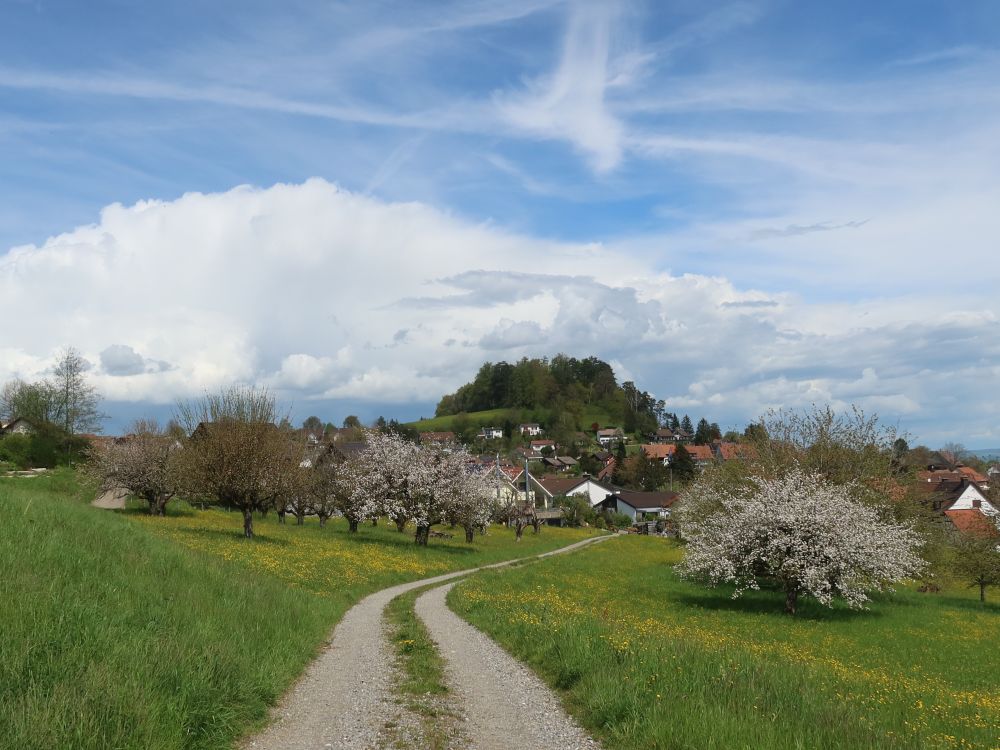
x: 977, y: 561
x: 145, y: 464
x: 236, y: 454
x: 801, y: 530
x: 75, y: 400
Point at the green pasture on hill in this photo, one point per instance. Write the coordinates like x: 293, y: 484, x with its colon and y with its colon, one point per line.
x: 496, y: 417
x: 646, y: 660
x: 124, y: 631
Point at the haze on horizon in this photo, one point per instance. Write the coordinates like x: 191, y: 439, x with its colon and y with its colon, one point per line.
x: 740, y: 205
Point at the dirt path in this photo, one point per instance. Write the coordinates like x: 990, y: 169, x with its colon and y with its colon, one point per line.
x: 111, y: 500
x: 506, y: 706
x: 345, y: 696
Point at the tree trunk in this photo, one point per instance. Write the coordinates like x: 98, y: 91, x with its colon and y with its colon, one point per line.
x: 518, y: 531
x: 982, y: 592
x: 281, y: 516
x: 300, y: 518
x: 352, y: 525
x: 791, y: 599
x: 468, y: 534
x: 322, y: 521
x: 400, y: 525
x: 263, y: 512
x: 375, y: 521
x: 423, y: 534
x: 248, y: 523
x: 535, y: 523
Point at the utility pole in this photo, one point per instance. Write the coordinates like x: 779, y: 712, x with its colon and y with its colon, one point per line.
x: 526, y: 475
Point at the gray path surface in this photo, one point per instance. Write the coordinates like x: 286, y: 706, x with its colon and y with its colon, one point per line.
x: 111, y: 500
x: 345, y: 695
x: 507, y: 706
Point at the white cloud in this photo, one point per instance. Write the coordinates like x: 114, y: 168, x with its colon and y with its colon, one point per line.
x: 570, y: 102
x: 325, y: 294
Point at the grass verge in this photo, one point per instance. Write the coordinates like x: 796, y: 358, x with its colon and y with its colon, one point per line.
x: 646, y: 660
x: 421, y: 687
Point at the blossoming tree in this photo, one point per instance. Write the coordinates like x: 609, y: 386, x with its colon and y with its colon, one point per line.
x: 144, y: 463
x: 808, y: 534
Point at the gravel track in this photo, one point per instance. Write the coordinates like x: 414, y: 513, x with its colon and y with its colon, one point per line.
x: 345, y: 696
x: 506, y: 705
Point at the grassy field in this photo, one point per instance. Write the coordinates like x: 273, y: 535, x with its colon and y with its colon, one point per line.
x: 125, y: 631
x: 649, y: 661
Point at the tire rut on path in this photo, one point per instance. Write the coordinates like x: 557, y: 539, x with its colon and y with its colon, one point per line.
x: 345, y: 695
x: 507, y: 706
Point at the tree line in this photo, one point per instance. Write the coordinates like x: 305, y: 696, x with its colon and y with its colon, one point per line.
x: 235, y: 452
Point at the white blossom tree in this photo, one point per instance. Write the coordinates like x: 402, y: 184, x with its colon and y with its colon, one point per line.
x: 809, y: 535
x: 467, y: 495
x: 387, y: 475
x: 340, y: 486
x: 144, y: 464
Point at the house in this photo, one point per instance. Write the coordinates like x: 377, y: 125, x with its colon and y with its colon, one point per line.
x: 17, y: 426
x: 682, y: 435
x: 491, y: 433
x: 531, y: 429
x: 634, y: 504
x: 937, y: 474
x: 437, y: 438
x: 961, y: 502
x: 726, y: 451
x: 609, y: 436
x: 560, y: 463
x: 547, y: 488
x: 663, y: 435
x: 527, y: 454
x: 659, y: 452
x: 702, y: 455
x: 539, y: 445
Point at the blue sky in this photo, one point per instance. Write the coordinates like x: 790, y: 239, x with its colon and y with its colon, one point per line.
x: 743, y: 205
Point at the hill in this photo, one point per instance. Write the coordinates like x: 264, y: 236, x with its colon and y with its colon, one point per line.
x: 564, y: 394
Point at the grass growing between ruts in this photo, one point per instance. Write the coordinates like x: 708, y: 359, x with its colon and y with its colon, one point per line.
x: 649, y: 661
x: 122, y: 631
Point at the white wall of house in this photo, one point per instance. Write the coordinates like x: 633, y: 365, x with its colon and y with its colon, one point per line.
x: 966, y: 501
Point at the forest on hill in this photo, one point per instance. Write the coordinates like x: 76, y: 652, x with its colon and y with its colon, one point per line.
x: 564, y: 386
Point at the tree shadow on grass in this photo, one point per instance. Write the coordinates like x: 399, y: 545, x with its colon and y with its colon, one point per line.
x: 403, y: 541
x: 135, y: 508
x: 237, y: 534
x: 770, y: 603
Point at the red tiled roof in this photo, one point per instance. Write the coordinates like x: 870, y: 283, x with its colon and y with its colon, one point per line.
x: 659, y: 450
x: 730, y: 451
x: 973, y: 522
x: 700, y: 452
x: 969, y: 473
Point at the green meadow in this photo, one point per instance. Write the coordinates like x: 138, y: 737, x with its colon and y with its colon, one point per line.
x: 646, y: 660
x: 124, y: 631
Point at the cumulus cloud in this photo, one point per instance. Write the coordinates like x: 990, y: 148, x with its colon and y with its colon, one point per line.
x: 122, y: 360
x: 324, y: 294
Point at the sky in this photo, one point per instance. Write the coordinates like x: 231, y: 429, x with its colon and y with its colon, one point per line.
x: 741, y: 205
